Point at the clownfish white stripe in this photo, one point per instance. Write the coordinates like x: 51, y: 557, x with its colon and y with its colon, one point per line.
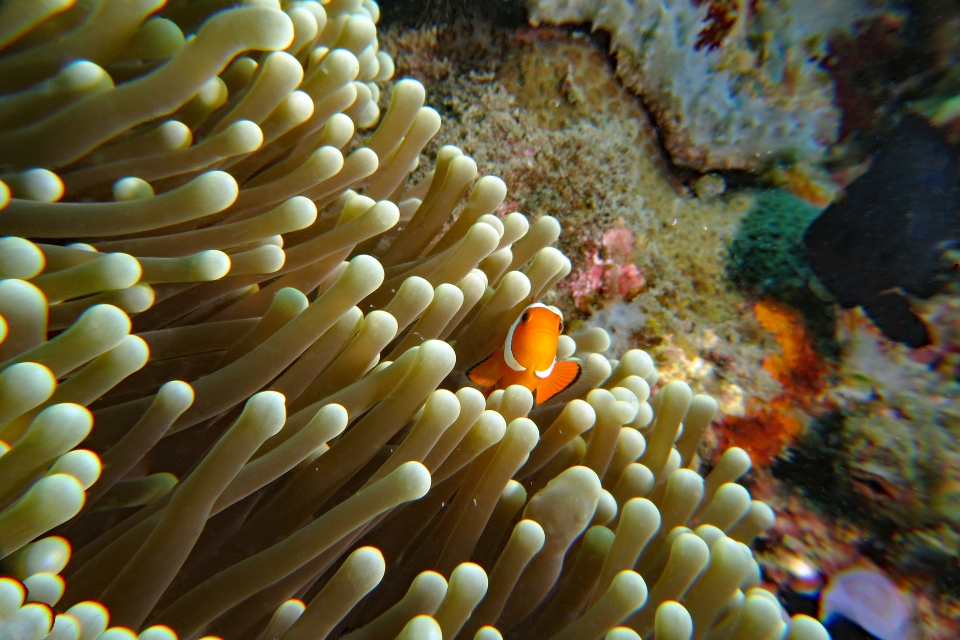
x: 508, y: 356
x: 546, y: 374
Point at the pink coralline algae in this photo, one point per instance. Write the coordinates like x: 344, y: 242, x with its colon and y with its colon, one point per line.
x: 618, y: 241
x: 606, y: 274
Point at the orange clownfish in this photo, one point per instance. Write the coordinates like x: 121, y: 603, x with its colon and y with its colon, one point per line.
x: 529, y: 356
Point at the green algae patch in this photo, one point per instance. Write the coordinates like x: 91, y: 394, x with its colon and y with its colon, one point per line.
x: 766, y: 255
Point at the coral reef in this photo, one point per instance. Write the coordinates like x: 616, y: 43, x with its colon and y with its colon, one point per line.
x: 885, y: 446
x: 609, y: 274
x: 901, y: 428
x: 414, y: 13
x: 803, y: 550
x: 942, y: 106
x: 731, y: 84
x: 255, y: 324
x: 866, y: 64
x: 543, y: 110
x: 942, y: 18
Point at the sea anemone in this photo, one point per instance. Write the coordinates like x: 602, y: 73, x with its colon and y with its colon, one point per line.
x: 254, y: 323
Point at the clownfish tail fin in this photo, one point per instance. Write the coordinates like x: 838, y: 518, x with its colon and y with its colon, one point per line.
x: 564, y: 374
x: 486, y: 373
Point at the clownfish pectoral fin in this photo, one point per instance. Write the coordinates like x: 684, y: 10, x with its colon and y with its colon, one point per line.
x: 487, y: 372
x: 564, y: 374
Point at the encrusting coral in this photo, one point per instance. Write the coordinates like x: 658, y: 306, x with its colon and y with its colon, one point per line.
x: 732, y: 84
x: 256, y: 329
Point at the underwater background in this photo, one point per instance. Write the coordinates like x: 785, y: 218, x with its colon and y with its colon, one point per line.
x: 746, y: 211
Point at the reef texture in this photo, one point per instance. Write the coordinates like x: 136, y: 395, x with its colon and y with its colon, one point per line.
x: 803, y: 551
x: 233, y: 336
x: 882, y: 462
x: 543, y: 109
x: 901, y: 427
x: 731, y: 84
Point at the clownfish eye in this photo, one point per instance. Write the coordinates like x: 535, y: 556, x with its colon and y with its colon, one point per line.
x: 525, y: 317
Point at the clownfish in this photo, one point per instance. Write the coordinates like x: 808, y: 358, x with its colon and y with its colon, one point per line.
x: 529, y: 356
